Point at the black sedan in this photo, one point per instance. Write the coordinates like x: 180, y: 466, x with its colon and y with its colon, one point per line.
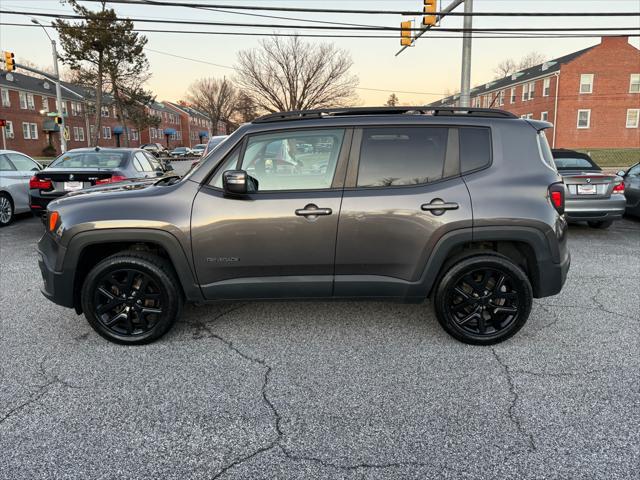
x: 85, y: 167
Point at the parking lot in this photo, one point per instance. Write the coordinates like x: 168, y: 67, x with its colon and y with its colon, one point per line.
x: 326, y: 390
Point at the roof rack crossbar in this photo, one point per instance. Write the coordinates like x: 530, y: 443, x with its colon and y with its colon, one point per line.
x: 338, y: 112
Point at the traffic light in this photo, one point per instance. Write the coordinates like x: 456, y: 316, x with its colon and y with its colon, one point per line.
x: 430, y: 8
x: 58, y: 120
x: 405, y: 33
x: 9, y: 61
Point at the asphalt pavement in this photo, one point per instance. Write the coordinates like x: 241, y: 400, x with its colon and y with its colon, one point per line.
x: 350, y: 390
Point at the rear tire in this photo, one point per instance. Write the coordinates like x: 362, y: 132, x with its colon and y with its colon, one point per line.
x: 600, y: 224
x: 132, y: 298
x: 6, y: 210
x: 483, y: 300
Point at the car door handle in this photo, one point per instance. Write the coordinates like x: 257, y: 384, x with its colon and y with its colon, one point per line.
x: 439, y: 206
x: 312, y: 211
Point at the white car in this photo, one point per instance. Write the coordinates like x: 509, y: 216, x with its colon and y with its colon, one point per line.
x: 15, y: 171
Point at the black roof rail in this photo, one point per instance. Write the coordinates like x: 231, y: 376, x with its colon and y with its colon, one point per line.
x: 339, y: 112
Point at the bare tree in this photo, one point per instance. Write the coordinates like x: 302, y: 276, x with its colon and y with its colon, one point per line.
x: 216, y: 97
x: 531, y: 59
x: 505, y: 68
x: 392, y: 101
x: 290, y: 74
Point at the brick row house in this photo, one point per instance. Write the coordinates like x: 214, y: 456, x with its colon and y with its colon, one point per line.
x: 26, y: 102
x: 592, y: 96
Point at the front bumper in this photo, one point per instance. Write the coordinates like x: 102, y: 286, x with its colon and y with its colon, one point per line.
x: 57, y: 283
x: 597, y: 209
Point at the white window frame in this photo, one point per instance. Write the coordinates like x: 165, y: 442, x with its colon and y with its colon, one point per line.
x: 637, y: 122
x: 8, y: 129
x: 34, y: 131
x: 106, y: 132
x: 513, y: 95
x: 532, y: 88
x: 525, y: 92
x: 501, y: 98
x: 634, y: 80
x: 6, y: 99
x: 23, y: 100
x: 546, y: 87
x: 104, y: 111
x: 589, y: 77
x: 31, y: 103
x: 45, y: 104
x: 544, y: 116
x: 81, y: 134
x: 588, y: 110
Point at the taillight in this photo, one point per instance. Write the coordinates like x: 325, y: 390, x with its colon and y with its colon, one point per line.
x: 53, y: 220
x: 619, y: 188
x: 556, y: 195
x: 40, y: 184
x: 111, y: 179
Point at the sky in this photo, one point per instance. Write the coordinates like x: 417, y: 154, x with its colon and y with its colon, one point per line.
x: 421, y: 74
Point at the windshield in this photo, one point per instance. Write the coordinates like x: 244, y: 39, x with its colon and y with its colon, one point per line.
x: 90, y: 159
x: 575, y: 163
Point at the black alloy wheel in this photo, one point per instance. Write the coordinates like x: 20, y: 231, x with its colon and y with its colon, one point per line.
x: 131, y: 297
x: 127, y: 302
x: 483, y: 300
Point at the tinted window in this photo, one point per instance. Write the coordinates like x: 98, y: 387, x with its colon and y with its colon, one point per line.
x: 278, y: 162
x: 634, y: 171
x: 22, y: 163
x: 5, y: 166
x: 90, y: 159
x: 401, y: 156
x: 475, y: 148
x: 569, y: 163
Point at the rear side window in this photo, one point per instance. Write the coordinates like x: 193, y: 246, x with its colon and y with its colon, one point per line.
x: 475, y: 148
x: 571, y: 163
x: 89, y: 159
x: 401, y: 156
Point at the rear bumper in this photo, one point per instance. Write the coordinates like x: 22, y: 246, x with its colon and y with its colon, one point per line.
x: 38, y: 202
x: 595, y: 209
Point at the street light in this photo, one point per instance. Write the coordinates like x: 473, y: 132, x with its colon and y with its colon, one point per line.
x: 63, y: 141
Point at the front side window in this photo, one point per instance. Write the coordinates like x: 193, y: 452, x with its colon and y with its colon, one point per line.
x: 634, y: 83
x: 475, y: 148
x: 230, y: 163
x: 584, y: 118
x: 299, y: 160
x: 633, y: 115
x: 402, y: 156
x: 586, y: 83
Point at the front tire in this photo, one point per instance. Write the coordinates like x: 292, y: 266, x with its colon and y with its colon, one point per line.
x: 131, y: 298
x: 483, y: 300
x: 6, y: 210
x: 601, y: 224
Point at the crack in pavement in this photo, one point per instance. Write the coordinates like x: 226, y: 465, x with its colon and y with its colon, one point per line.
x: 515, y: 397
x: 600, y: 305
x: 276, y: 442
x: 41, y: 391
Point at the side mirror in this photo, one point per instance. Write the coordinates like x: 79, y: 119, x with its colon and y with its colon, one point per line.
x: 621, y: 173
x: 238, y: 182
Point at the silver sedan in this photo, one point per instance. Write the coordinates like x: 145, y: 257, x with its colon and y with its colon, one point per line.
x: 15, y: 171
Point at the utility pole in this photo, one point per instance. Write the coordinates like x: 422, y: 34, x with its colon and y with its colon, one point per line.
x: 465, y: 80
x: 63, y: 141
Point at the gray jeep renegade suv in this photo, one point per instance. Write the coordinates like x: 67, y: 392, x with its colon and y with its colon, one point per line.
x: 462, y: 206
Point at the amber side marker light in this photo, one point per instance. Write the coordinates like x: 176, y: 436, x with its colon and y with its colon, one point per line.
x: 53, y: 220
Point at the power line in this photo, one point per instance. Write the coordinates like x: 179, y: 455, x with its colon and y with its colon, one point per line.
x: 367, y: 12
x: 497, y: 35
x: 325, y: 27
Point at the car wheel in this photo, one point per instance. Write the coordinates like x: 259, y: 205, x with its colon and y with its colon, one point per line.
x: 131, y: 298
x: 6, y: 210
x: 483, y: 300
x: 601, y: 224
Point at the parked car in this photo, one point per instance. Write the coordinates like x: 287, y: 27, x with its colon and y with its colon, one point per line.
x: 591, y: 195
x: 213, y: 143
x: 462, y: 206
x: 632, y: 189
x: 86, y: 167
x: 15, y: 171
x: 157, y: 149
x: 199, y: 149
x: 180, y: 152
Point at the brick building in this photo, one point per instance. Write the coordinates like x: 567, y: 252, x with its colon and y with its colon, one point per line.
x: 195, y: 124
x: 591, y: 96
x: 27, y: 101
